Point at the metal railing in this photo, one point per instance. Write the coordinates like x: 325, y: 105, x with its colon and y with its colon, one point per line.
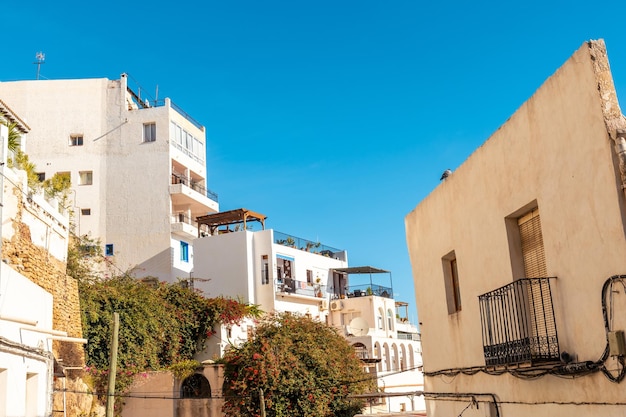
x: 186, y: 115
x: 518, y: 323
x: 183, y: 218
x: 292, y: 286
x: 365, y: 290
x: 409, y: 336
x: 304, y: 244
x: 181, y: 179
x: 188, y: 152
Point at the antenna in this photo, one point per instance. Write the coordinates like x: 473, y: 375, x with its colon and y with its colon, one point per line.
x: 41, y: 59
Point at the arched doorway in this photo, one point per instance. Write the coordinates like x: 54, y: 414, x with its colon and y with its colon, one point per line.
x: 195, y: 386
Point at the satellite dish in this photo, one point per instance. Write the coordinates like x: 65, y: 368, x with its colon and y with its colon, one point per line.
x: 359, y: 326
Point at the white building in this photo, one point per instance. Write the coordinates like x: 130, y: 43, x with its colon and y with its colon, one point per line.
x: 26, y: 309
x: 137, y: 167
x: 280, y: 272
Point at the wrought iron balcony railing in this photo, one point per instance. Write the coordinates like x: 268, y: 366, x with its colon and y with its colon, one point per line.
x: 518, y: 323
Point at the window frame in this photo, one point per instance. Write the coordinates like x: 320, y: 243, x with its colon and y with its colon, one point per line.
x: 184, y: 251
x: 85, y: 177
x: 108, y: 250
x: 76, y: 139
x: 519, y: 267
x: 451, y: 282
x: 149, y: 132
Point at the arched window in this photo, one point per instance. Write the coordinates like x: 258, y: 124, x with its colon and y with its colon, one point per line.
x: 394, y: 358
x: 195, y: 386
x: 390, y: 319
x: 379, y: 319
x: 361, y: 351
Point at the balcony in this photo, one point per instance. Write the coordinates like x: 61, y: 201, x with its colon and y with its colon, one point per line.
x: 181, y: 179
x: 181, y: 223
x: 189, y: 195
x: 307, y: 245
x: 369, y: 289
x: 292, y: 286
x: 518, y: 323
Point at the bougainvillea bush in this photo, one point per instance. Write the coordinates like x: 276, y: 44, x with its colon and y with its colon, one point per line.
x: 160, y: 325
x: 302, y: 366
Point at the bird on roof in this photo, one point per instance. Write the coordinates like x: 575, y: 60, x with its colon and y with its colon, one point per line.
x: 445, y: 174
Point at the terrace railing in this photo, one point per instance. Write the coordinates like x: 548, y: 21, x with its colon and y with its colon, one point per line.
x: 518, y: 323
x: 304, y: 244
x: 181, y: 179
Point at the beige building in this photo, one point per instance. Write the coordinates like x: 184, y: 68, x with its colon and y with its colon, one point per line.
x: 517, y: 259
x: 137, y: 167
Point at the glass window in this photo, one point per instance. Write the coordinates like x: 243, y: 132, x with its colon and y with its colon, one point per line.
x: 86, y: 177
x: 184, y: 251
x: 149, y: 132
x: 85, y: 212
x: 108, y: 249
x: 76, y: 140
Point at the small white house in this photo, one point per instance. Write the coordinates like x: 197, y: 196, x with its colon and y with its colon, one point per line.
x: 284, y: 273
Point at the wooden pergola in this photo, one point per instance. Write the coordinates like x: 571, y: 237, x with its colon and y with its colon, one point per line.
x: 7, y: 114
x: 226, y: 218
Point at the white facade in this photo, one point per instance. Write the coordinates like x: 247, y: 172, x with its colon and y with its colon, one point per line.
x: 281, y: 273
x: 26, y: 310
x: 26, y: 361
x: 138, y: 169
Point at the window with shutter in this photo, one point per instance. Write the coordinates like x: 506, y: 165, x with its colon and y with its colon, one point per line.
x: 532, y: 245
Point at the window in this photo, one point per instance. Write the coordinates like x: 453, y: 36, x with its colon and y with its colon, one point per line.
x: 88, y: 250
x: 86, y: 177
x: 184, y: 251
x: 531, y: 240
x: 451, y: 278
x: 390, y: 319
x: 85, y: 212
x: 265, y: 273
x: 149, y: 132
x: 76, y: 140
x: 108, y: 249
x: 528, y: 259
x: 41, y: 176
x: 309, y: 277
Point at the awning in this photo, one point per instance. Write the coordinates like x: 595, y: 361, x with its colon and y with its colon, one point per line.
x: 361, y: 270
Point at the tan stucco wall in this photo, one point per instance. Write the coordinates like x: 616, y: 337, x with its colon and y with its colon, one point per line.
x: 555, y: 150
x: 157, y: 394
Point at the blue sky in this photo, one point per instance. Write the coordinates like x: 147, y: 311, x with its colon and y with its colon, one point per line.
x: 333, y: 118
